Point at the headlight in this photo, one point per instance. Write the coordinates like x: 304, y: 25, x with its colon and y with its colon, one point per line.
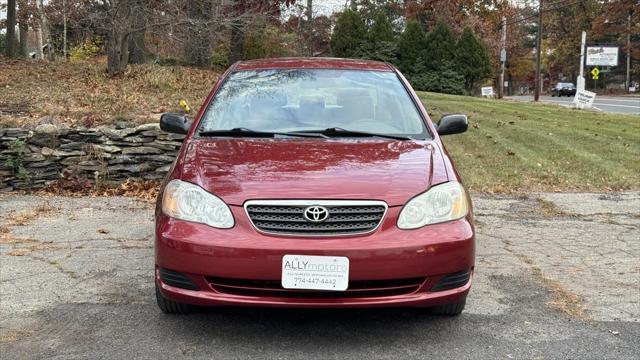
x: 441, y: 203
x: 186, y: 201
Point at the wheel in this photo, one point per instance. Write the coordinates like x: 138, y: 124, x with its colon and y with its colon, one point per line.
x: 553, y: 95
x: 452, y: 309
x: 171, y: 307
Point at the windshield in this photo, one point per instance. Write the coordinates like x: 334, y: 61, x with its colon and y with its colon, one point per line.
x: 314, y: 99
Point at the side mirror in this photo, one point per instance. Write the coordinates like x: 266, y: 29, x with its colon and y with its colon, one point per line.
x: 174, y: 123
x: 452, y: 124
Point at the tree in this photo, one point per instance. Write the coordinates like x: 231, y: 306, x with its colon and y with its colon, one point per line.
x: 349, y: 33
x: 136, y: 45
x: 10, y: 37
x: 411, y: 47
x: 242, y: 12
x: 471, y: 59
x: 379, y: 43
x: 562, y: 35
x: 618, y: 21
x: 440, y: 47
x: 381, y: 30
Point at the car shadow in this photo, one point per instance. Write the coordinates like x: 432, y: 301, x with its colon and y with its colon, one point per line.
x: 320, y: 327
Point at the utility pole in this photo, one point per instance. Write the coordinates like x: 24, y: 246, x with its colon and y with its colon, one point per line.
x: 310, y: 25
x: 628, y: 77
x: 580, y: 82
x: 503, y: 57
x: 536, y: 95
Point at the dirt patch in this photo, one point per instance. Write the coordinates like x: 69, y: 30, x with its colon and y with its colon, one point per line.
x: 13, y: 335
x: 562, y: 299
x: 23, y: 218
x: 549, y: 209
x: 8, y: 238
x: 40, y: 246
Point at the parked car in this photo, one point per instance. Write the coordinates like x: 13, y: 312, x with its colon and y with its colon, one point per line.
x: 312, y: 182
x: 563, y: 89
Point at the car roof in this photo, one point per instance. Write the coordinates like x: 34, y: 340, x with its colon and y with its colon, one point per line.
x: 312, y: 63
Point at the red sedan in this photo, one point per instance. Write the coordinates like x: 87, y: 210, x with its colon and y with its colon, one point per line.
x: 313, y: 182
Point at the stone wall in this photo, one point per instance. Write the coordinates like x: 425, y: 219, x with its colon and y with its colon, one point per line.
x: 35, y: 158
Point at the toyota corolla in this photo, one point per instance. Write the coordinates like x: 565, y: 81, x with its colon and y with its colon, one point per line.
x: 313, y: 183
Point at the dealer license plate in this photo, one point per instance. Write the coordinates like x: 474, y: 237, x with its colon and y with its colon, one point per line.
x: 315, y: 272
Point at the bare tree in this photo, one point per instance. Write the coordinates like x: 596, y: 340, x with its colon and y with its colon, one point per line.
x: 137, y: 47
x: 44, y: 30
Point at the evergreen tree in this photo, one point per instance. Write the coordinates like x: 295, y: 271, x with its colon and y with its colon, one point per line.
x: 379, y: 44
x: 348, y: 35
x: 381, y: 30
x: 440, y: 47
x: 411, y: 48
x: 472, y: 60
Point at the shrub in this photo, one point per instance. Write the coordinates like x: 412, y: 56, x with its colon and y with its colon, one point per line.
x: 220, y: 56
x: 446, y: 81
x: 15, y: 161
x: 85, y: 50
x: 381, y: 51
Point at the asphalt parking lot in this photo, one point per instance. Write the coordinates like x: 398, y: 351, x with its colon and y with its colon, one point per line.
x: 557, y: 276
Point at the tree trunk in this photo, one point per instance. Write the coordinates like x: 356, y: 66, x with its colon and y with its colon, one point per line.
x: 64, y: 29
x: 10, y: 39
x: 137, y: 48
x: 198, y: 47
x: 40, y: 55
x: 237, y: 43
x: 310, y: 26
x: 118, y: 52
x: 44, y: 29
x: 24, y: 31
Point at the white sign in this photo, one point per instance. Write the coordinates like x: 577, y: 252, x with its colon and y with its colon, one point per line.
x: 487, y: 91
x: 315, y: 272
x: 584, y: 99
x: 602, y: 56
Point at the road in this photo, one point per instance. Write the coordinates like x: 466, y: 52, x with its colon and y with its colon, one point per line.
x: 612, y: 104
x: 557, y: 277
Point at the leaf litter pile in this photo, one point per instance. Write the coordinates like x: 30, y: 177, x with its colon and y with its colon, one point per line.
x: 81, y: 93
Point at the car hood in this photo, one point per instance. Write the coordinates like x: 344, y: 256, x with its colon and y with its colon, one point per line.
x: 238, y: 170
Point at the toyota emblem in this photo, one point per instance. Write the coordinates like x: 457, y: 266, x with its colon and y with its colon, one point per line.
x: 316, y: 213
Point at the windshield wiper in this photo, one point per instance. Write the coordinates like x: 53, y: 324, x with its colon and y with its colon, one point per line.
x: 244, y: 132
x: 337, y: 131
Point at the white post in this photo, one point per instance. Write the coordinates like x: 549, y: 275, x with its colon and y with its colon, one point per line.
x: 580, y: 81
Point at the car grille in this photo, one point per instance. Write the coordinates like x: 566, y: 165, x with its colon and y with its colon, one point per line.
x: 357, y: 288
x: 287, y: 217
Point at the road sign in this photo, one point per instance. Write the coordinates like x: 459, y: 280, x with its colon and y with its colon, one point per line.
x: 584, y: 99
x: 487, y: 91
x: 602, y: 56
x: 595, y: 72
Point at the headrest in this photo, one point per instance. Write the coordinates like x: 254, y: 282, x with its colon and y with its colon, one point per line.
x: 307, y: 101
x: 349, y: 96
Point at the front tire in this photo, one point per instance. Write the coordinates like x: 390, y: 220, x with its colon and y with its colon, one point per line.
x: 451, y: 309
x: 171, y: 307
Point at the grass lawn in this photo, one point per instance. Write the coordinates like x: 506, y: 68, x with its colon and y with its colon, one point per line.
x: 514, y: 146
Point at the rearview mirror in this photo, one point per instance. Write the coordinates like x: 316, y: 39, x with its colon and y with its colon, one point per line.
x: 452, y: 124
x: 174, y: 123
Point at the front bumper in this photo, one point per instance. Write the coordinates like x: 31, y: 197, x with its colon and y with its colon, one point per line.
x: 203, y: 253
